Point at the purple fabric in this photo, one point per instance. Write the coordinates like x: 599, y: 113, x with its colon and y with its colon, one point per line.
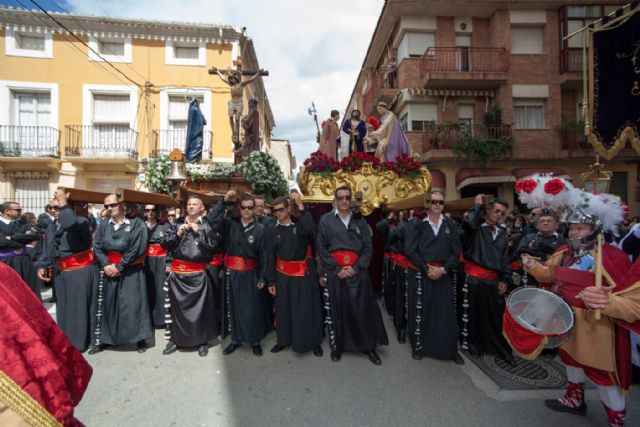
x: 8, y: 253
x: 398, y: 143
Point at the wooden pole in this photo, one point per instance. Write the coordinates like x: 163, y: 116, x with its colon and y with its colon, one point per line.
x: 596, y: 313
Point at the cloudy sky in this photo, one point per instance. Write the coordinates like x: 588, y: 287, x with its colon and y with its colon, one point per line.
x: 313, y: 50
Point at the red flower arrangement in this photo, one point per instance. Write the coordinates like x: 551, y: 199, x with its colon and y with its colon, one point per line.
x: 554, y: 186
x: 320, y: 163
x: 404, y: 166
x: 526, y: 185
x: 354, y: 161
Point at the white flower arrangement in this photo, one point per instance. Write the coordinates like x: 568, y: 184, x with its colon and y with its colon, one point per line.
x: 210, y: 171
x: 263, y: 173
x: 156, y: 175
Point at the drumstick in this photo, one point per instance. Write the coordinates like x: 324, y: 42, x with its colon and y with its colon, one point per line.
x: 596, y: 313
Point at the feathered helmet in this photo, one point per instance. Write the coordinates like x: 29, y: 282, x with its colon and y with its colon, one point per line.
x: 576, y: 206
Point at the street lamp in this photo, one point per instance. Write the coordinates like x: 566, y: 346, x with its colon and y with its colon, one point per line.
x: 598, y: 179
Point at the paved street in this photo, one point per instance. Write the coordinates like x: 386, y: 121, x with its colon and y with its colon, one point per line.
x: 129, y: 389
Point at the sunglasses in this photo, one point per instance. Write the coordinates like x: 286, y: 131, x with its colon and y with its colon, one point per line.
x: 343, y: 198
x: 171, y: 215
x: 278, y: 210
x: 246, y: 208
x: 17, y: 210
x: 151, y: 210
x: 437, y: 202
x: 55, y: 208
x: 112, y: 205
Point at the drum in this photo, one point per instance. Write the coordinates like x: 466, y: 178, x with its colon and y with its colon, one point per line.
x: 536, y: 319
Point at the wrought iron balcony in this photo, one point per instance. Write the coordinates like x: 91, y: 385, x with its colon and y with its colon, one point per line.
x: 444, y: 136
x: 465, y: 59
x: 29, y: 141
x: 571, y: 60
x: 101, y: 141
x: 165, y: 140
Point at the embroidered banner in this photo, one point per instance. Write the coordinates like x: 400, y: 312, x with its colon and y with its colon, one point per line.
x: 614, y: 88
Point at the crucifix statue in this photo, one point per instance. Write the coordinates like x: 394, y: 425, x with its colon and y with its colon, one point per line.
x: 233, y: 78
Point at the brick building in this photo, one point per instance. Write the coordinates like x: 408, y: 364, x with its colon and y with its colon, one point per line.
x: 443, y: 65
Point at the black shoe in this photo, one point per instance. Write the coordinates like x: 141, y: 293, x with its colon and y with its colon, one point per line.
x: 277, y: 348
x: 556, y: 405
x: 473, y: 352
x: 511, y: 361
x: 335, y: 356
x: 416, y: 355
x: 203, y: 350
x: 374, y: 358
x: 231, y: 348
x: 142, y: 347
x: 457, y: 359
x: 402, y: 337
x: 257, y: 351
x: 170, y: 348
x: 96, y: 349
x: 318, y: 351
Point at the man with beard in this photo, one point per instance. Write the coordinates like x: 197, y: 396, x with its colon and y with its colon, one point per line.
x: 486, y: 267
x: 245, y: 251
x: 156, y: 265
x: 123, y: 308
x: 293, y: 285
x: 67, y: 251
x: 432, y: 245
x: 344, y: 247
x: 193, y: 307
x: 15, y: 240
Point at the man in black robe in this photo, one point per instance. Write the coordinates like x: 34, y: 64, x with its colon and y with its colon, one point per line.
x: 123, y: 315
x: 486, y: 266
x: 247, y: 318
x: 192, y: 303
x: 291, y: 282
x: 344, y: 247
x: 433, y: 247
x: 16, y: 238
x: 383, y: 229
x: 67, y: 253
x: 156, y: 265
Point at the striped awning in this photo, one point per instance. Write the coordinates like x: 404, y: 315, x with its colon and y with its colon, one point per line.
x: 418, y: 91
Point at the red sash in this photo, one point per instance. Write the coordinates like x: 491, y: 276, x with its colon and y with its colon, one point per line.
x: 181, y: 266
x: 474, y: 270
x: 239, y: 264
x: 155, y: 249
x: 291, y: 268
x: 218, y: 259
x: 75, y: 261
x: 345, y: 258
x: 115, y: 257
x: 515, y: 265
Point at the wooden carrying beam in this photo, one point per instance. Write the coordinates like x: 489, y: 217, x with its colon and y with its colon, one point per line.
x: 78, y: 195
x: 207, y: 198
x: 133, y: 196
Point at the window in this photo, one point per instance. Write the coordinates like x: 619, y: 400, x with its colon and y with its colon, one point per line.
x: 618, y: 185
x: 110, y: 135
x: 527, y: 40
x: 404, y: 122
x: 422, y: 116
x: 27, y: 43
x: 185, y: 53
x: 529, y: 114
x: 32, y: 194
x: 465, y: 118
x: 174, y: 114
x: 111, y: 49
x: 414, y: 45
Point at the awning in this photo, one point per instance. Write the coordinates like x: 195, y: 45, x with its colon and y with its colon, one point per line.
x: 418, y: 91
x: 468, y: 176
x: 520, y: 173
x: 438, y: 179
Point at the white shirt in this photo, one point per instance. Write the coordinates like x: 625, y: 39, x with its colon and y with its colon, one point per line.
x: 346, y: 220
x: 494, y: 233
x: 434, y: 227
x: 284, y: 225
x: 117, y: 226
x: 5, y: 220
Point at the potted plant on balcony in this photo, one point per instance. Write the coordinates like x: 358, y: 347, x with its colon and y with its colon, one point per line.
x: 571, y: 132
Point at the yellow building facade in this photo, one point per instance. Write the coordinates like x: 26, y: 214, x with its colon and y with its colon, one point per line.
x: 87, y: 102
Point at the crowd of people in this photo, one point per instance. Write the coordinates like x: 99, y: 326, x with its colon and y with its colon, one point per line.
x: 234, y: 270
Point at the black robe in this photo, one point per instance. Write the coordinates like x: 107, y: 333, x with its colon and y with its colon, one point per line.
x: 193, y: 306
x: 125, y: 316
x: 155, y: 272
x: 77, y: 290
x: 355, y: 323
x: 215, y: 273
x: 247, y: 317
x: 399, y: 278
x: 433, y: 329
x: 537, y: 245
x: 384, y: 228
x: 297, y: 302
x: 15, y: 251
x: 482, y: 320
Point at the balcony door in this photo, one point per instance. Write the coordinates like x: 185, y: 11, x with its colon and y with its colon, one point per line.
x: 110, y: 135
x: 175, y: 136
x: 463, y: 52
x: 32, y: 134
